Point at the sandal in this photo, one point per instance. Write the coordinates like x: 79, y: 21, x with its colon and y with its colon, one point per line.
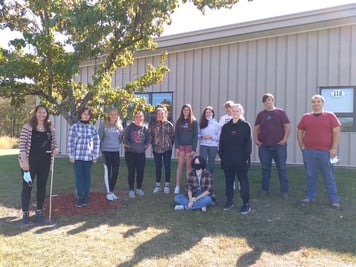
x: 335, y: 205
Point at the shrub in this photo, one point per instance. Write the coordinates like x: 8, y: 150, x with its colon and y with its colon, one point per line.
x: 7, y: 142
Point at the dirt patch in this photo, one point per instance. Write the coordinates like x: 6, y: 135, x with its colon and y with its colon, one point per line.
x: 64, y: 205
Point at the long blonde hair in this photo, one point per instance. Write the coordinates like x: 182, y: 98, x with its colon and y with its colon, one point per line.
x: 117, y: 123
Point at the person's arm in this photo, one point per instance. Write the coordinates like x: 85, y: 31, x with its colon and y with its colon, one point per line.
x: 300, y: 135
x: 336, y: 141
x: 286, y: 127
x: 256, y: 130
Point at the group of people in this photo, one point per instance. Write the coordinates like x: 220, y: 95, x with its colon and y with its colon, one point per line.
x: 318, y: 134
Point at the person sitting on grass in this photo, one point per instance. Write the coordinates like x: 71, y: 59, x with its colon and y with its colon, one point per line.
x: 198, y: 188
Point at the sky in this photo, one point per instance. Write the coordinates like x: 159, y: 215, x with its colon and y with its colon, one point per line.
x: 188, y: 18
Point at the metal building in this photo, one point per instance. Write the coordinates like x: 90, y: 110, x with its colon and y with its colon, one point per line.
x: 293, y: 57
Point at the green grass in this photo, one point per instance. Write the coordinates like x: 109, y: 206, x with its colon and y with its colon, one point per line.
x: 148, y: 232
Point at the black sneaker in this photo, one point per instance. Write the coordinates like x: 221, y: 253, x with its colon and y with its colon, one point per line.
x: 228, y: 205
x: 78, y: 203
x: 25, y: 218
x: 39, y: 217
x: 245, y: 209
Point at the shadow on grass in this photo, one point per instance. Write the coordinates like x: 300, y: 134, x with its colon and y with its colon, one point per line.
x: 273, y: 226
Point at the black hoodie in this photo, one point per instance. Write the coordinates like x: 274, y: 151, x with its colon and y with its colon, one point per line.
x: 235, y: 143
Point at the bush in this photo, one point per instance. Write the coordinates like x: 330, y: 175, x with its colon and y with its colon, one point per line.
x: 7, y: 142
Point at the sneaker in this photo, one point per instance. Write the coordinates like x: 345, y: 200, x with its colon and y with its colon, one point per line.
x: 25, y: 218
x: 335, y: 205
x: 140, y: 192
x: 176, y: 189
x: 78, y: 203
x: 132, y: 194
x: 228, y: 206
x: 179, y: 207
x: 203, y: 209
x: 109, y: 196
x: 166, y: 190
x: 114, y: 196
x: 245, y: 209
x: 156, y: 190
x: 39, y: 217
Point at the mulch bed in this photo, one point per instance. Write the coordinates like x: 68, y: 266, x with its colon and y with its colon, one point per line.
x: 64, y: 205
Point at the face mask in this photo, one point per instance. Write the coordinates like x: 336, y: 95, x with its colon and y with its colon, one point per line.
x: 197, y: 166
x: 209, y: 118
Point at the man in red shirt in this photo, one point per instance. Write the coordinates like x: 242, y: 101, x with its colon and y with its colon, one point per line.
x: 318, y: 137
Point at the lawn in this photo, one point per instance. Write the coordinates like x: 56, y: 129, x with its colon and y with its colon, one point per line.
x: 148, y: 232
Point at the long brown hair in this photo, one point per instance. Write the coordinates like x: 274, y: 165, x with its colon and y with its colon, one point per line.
x: 191, y: 117
x: 33, y: 121
x: 203, y: 121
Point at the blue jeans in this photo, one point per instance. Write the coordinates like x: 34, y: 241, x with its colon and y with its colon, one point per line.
x: 209, y: 154
x: 315, y: 161
x: 82, y: 170
x: 183, y: 199
x: 166, y: 156
x: 279, y: 154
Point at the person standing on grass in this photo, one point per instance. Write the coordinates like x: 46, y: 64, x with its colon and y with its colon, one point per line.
x: 209, y: 133
x: 162, y: 134
x: 318, y: 137
x: 110, y: 133
x: 186, y: 141
x: 83, y: 151
x: 198, y: 188
x: 137, y: 139
x: 271, y: 132
x: 234, y: 150
x: 37, y: 146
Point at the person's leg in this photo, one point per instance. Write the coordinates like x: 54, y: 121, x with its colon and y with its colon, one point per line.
x: 280, y: 158
x: 327, y: 171
x: 181, y: 199
x: 87, y: 180
x: 26, y: 193
x: 180, y: 163
x: 241, y: 171
x: 167, y: 158
x: 311, y: 167
x: 212, y: 151
x: 115, y: 165
x: 229, y: 182
x: 266, y: 164
x: 79, y: 182
x: 203, y: 152
x: 130, y: 163
x: 158, y: 166
x: 42, y: 167
x: 140, y: 167
x: 188, y: 163
x: 106, y: 170
x: 202, y: 202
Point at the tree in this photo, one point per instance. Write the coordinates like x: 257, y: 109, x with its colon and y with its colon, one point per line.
x: 59, y: 35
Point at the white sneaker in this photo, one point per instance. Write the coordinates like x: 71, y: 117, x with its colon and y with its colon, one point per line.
x: 176, y: 189
x: 203, y: 209
x: 139, y: 192
x: 109, y: 196
x: 132, y: 194
x: 179, y: 207
x: 166, y: 190
x: 114, y: 196
x: 156, y: 190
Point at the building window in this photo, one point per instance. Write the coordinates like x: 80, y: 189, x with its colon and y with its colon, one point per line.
x: 342, y: 101
x: 155, y: 99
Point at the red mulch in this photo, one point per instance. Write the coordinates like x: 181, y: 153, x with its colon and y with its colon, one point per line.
x: 64, y: 205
